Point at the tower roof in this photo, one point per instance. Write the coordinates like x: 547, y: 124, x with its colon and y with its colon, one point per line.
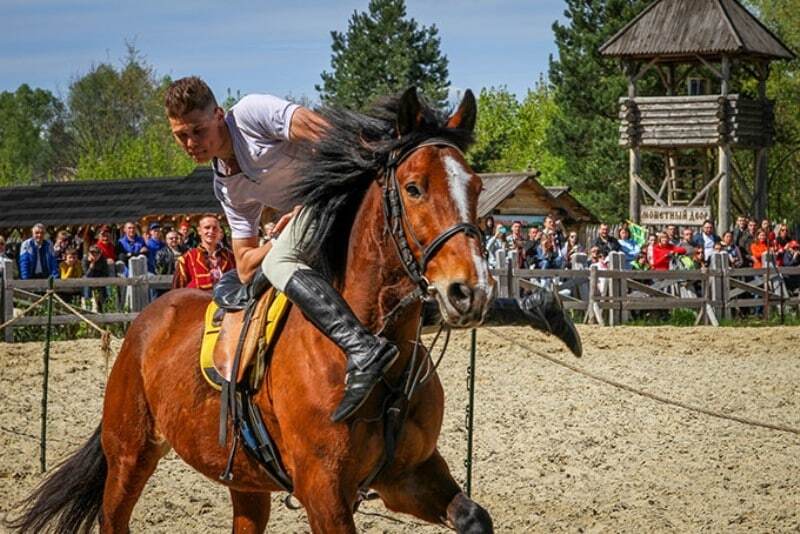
x: 685, y: 28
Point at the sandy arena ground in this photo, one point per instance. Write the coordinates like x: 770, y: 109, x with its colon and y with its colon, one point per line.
x: 555, y: 450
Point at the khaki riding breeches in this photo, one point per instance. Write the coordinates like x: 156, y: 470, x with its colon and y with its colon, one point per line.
x: 282, y: 261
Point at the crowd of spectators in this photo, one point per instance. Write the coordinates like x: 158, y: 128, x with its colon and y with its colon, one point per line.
x: 550, y: 246
x: 195, y: 257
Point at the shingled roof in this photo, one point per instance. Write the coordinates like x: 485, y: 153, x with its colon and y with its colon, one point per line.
x: 107, y: 201
x: 684, y: 28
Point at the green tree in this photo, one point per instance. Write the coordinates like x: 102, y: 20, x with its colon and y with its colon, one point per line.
x: 587, y: 88
x: 511, y: 135
x: 32, y: 135
x: 384, y: 52
x: 117, y: 119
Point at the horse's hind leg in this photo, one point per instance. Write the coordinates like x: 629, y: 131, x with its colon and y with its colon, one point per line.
x: 430, y: 493
x: 131, y: 448
x: 250, y: 512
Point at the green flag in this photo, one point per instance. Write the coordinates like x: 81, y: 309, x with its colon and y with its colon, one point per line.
x: 638, y: 233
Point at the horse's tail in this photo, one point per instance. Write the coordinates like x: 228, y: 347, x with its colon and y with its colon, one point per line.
x: 70, y: 497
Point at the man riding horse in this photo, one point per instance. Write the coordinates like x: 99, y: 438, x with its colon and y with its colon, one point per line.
x: 256, y: 150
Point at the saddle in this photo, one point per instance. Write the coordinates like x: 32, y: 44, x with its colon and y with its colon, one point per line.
x: 225, y: 329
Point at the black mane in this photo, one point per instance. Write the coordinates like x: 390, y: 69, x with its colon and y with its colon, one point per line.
x: 342, y: 166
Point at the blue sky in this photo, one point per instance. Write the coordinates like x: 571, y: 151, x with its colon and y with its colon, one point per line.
x: 266, y: 46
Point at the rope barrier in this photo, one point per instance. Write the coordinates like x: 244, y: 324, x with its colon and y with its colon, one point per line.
x: 653, y: 396
x: 27, y: 310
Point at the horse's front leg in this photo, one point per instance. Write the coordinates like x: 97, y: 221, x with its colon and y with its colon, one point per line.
x: 430, y: 493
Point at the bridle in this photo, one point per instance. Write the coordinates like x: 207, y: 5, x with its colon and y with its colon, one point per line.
x: 397, y: 224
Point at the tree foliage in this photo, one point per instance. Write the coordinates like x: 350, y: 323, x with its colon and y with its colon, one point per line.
x: 587, y: 88
x: 384, y: 52
x: 511, y: 135
x: 32, y: 135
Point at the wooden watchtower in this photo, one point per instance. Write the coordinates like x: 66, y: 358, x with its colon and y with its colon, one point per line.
x: 697, y: 48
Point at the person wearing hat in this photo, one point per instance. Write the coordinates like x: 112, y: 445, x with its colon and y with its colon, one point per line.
x: 154, y: 243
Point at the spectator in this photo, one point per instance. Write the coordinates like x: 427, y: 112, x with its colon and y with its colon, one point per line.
x: 530, y: 246
x: 758, y: 248
x: 728, y: 246
x: 495, y: 243
x: 651, y: 242
x: 553, y: 226
x: 641, y: 263
x: 96, y: 265
x: 672, y: 232
x: 687, y: 241
x: 61, y: 244
x: 516, y: 243
x: 5, y: 255
x: 767, y: 227
x: 663, y: 252
x: 740, y: 229
x: 627, y: 246
x: 488, y: 228
x: 596, y: 258
x: 188, y: 236
x: 548, y: 255
x: 202, y: 266
x: 706, y: 240
x: 791, y: 258
x: 570, y: 248
x: 781, y: 240
x: 745, y: 240
x: 71, y: 266
x: 130, y: 244
x: 37, y: 258
x: 154, y: 243
x: 605, y: 242
x: 168, y: 255
x: 105, y: 244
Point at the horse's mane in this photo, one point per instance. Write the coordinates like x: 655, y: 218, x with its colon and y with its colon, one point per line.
x: 343, y: 164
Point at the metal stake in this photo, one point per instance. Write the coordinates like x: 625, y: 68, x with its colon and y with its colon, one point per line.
x: 470, y: 410
x: 48, y: 333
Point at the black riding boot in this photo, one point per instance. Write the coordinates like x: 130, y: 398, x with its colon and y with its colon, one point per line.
x: 368, y: 356
x: 541, y: 309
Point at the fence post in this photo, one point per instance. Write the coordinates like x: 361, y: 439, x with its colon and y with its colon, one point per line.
x: 617, y: 265
x: 137, y: 268
x: 581, y: 288
x: 513, y: 292
x: 7, y: 312
x: 502, y: 283
x: 719, y: 266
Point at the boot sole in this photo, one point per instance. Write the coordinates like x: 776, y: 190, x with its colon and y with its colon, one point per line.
x: 366, y: 395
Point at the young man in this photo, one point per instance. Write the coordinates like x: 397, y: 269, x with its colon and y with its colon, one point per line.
x: 203, y: 266
x: 255, y: 164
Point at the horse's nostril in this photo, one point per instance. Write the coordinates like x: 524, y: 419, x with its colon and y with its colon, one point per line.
x: 460, y: 296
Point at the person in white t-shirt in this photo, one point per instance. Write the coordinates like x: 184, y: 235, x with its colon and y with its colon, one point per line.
x: 256, y: 157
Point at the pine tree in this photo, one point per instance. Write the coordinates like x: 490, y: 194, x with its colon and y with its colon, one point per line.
x: 384, y: 52
x: 587, y: 88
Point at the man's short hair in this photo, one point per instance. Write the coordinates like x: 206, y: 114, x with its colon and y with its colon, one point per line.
x: 186, y: 95
x: 39, y: 226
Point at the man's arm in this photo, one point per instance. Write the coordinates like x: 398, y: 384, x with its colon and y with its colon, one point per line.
x: 248, y: 256
x: 307, y: 125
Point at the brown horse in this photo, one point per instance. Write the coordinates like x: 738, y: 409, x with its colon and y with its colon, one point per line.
x: 156, y: 399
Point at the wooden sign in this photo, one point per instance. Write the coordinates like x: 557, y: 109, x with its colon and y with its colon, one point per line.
x: 678, y: 215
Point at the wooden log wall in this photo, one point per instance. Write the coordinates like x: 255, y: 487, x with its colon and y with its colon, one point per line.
x: 695, y: 121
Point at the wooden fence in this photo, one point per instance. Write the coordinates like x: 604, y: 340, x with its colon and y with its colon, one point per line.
x: 605, y: 296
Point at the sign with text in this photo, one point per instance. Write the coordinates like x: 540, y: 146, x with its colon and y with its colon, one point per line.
x: 678, y: 215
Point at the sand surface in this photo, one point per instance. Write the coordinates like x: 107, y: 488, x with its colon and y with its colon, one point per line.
x: 554, y: 449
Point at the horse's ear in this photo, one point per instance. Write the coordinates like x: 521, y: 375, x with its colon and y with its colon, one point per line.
x: 409, y: 116
x: 464, y: 117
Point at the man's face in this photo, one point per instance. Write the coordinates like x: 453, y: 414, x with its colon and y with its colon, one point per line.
x: 708, y: 229
x: 130, y: 230
x: 38, y: 234
x: 549, y: 222
x: 741, y: 222
x: 533, y: 233
x: 210, y: 232
x: 515, y: 228
x: 604, y: 230
x: 751, y: 226
x: 672, y: 230
x: 155, y: 234
x: 687, y: 234
x: 172, y: 239
x: 200, y: 133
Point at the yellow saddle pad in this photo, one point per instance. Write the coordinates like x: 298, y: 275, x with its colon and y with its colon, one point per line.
x: 275, y: 316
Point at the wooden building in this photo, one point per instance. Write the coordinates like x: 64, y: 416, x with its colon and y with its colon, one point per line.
x: 696, y: 48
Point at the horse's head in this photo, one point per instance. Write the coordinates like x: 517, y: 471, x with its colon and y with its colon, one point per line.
x: 438, y: 198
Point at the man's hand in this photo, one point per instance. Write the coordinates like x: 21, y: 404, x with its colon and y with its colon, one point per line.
x: 283, y: 221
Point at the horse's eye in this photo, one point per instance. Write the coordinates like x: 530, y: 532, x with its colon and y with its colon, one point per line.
x: 413, y: 190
